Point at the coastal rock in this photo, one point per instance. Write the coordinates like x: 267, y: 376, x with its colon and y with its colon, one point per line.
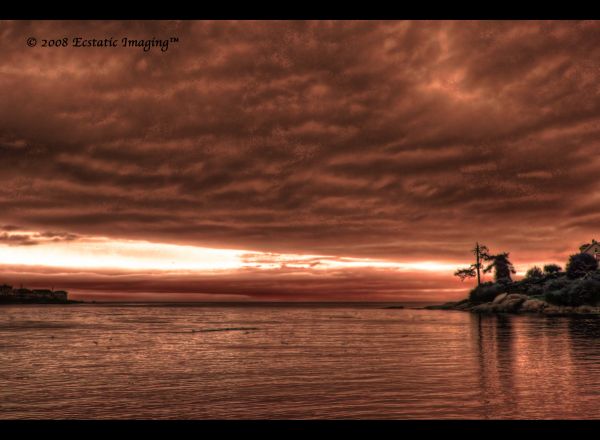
x: 516, y: 296
x: 485, y: 308
x: 511, y: 303
x: 553, y: 310
x: 519, y: 303
x: 533, y: 306
x: 504, y: 303
x: 586, y: 310
x: 579, y: 310
x: 500, y: 298
x: 463, y: 306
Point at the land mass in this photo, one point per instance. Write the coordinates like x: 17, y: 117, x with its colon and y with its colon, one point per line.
x: 553, y: 294
x: 517, y: 303
x: 8, y: 295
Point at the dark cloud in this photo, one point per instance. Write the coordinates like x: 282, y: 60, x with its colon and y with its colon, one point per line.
x: 403, y: 140
x: 17, y: 239
x: 57, y: 236
x: 10, y: 228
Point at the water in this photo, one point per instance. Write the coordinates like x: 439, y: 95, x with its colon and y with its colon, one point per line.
x: 343, y: 361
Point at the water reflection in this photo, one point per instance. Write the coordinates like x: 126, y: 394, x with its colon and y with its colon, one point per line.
x: 537, y: 367
x: 346, y: 361
x: 496, y: 358
x: 585, y: 329
x: 584, y: 339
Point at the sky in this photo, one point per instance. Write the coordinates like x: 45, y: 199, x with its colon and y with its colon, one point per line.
x: 293, y: 161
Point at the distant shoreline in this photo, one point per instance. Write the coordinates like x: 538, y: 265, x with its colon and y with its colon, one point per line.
x: 10, y: 301
x: 517, y: 304
x: 22, y: 295
x: 370, y: 304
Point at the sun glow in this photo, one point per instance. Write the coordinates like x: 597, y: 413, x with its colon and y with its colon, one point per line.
x: 101, y: 252
x: 87, y: 252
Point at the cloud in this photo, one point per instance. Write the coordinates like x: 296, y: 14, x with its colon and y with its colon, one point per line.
x: 400, y: 140
x: 57, y: 236
x: 9, y: 228
x: 17, y: 236
x: 286, y: 284
x: 17, y: 239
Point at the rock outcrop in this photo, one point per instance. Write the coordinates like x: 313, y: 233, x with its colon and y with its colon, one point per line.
x: 500, y: 298
x: 504, y: 303
x: 533, y: 306
x: 518, y: 303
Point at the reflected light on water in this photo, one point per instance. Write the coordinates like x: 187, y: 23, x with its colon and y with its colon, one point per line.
x: 293, y: 361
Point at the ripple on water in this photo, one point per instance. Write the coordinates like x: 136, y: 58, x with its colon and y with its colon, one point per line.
x: 349, y: 361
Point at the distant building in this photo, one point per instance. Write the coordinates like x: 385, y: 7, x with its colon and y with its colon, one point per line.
x: 592, y: 248
x: 59, y: 294
x: 21, y: 291
x: 42, y: 293
x: 8, y: 294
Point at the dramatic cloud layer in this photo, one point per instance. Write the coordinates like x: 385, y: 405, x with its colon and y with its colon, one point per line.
x: 405, y: 141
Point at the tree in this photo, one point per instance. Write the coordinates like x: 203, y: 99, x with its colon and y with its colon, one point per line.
x: 550, y: 269
x: 534, y: 273
x: 467, y: 272
x: 580, y: 265
x: 502, y: 267
x: 481, y: 253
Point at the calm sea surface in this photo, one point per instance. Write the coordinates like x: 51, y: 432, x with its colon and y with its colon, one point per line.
x: 293, y: 361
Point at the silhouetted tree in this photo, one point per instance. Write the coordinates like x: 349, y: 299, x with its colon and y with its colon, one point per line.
x: 502, y: 267
x: 481, y: 253
x: 467, y: 272
x: 534, y: 273
x: 550, y: 269
x: 581, y: 264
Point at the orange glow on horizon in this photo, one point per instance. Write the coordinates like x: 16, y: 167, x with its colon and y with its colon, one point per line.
x: 105, y: 253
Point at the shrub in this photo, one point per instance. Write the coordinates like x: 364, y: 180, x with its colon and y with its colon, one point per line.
x: 556, y: 284
x: 581, y: 264
x: 594, y: 275
x: 556, y: 297
x: 535, y: 273
x: 486, y: 292
x: 550, y: 269
x: 578, y: 293
x: 526, y: 286
x: 535, y: 290
x: 516, y: 287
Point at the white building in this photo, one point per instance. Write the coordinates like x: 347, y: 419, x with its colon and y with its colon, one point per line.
x: 592, y: 248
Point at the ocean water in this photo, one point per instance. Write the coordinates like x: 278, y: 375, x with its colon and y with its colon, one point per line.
x: 343, y: 361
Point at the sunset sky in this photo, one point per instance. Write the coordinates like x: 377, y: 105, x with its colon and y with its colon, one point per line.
x: 300, y: 161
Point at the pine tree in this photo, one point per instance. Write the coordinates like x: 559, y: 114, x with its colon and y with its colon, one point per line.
x: 481, y: 253
x: 502, y: 267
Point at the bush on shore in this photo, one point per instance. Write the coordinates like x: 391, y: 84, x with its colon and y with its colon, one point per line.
x: 556, y: 288
x: 577, y: 293
x: 486, y: 292
x: 580, y: 265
